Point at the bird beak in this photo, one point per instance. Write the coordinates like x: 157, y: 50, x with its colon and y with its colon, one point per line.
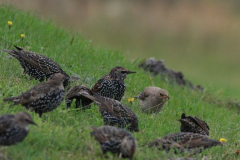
x: 34, y: 123
x: 166, y: 97
x: 182, y: 120
x: 129, y: 72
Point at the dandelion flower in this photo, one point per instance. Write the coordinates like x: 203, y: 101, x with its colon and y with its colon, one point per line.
x: 9, y: 24
x: 22, y: 35
x: 223, y: 140
x: 131, y: 100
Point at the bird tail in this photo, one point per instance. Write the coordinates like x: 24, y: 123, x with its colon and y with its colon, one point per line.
x: 16, y: 100
x: 18, y: 48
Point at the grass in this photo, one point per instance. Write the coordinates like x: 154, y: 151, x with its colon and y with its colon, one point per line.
x: 64, y: 134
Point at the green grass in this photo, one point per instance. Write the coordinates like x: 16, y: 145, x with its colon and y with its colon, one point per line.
x: 64, y: 134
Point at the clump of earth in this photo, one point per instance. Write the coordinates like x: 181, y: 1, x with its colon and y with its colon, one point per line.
x: 158, y: 67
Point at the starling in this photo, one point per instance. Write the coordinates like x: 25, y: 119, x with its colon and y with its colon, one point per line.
x: 115, y: 140
x: 75, y: 93
x: 14, y: 128
x: 194, y: 125
x: 153, y: 99
x: 114, y: 112
x: 36, y: 65
x: 185, y: 142
x: 112, y: 85
x: 44, y: 97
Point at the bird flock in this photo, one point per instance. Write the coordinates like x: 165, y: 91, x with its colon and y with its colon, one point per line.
x: 119, y: 119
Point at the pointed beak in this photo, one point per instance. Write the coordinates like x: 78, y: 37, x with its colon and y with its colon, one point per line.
x: 129, y: 72
x: 166, y: 97
x: 182, y: 120
x: 34, y: 123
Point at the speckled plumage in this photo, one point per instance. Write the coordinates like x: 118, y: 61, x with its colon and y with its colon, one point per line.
x: 114, y: 112
x: 14, y: 128
x: 185, y: 142
x: 194, y: 125
x: 36, y: 65
x: 112, y: 85
x: 153, y: 99
x: 44, y: 97
x: 75, y: 93
x: 115, y: 140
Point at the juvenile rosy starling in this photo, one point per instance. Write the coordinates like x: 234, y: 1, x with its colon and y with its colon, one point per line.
x: 153, y: 99
x: 36, y: 65
x: 115, y: 140
x: 114, y: 112
x: 194, y: 125
x: 14, y: 128
x: 112, y: 85
x: 185, y: 142
x: 44, y: 97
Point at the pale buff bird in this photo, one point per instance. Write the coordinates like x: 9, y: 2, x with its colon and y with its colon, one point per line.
x: 153, y: 99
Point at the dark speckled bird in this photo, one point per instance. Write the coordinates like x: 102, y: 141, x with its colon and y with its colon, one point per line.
x: 112, y: 85
x: 185, y: 142
x: 194, y: 125
x: 14, y: 128
x: 36, y: 65
x: 75, y: 93
x: 114, y: 112
x: 44, y: 97
x: 115, y: 140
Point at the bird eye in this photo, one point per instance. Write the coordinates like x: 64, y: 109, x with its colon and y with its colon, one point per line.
x: 123, y: 71
x: 161, y: 94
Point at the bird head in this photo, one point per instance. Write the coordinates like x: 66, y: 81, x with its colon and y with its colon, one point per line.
x: 128, y: 146
x: 163, y: 94
x: 24, y: 119
x: 57, y: 78
x: 120, y: 73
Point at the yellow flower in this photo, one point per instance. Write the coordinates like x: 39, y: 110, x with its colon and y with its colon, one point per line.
x: 9, y: 23
x: 223, y: 140
x: 131, y: 100
x: 22, y: 35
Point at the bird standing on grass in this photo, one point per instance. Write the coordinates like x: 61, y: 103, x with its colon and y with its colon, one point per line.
x: 194, y: 125
x: 44, y: 97
x: 187, y: 142
x: 153, y: 99
x: 14, y: 128
x: 112, y: 85
x: 114, y: 112
x: 115, y: 140
x: 75, y: 93
x: 36, y: 65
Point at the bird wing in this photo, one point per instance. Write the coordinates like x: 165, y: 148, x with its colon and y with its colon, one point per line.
x: 77, y: 91
x: 202, y: 124
x: 96, y: 88
x: 6, y: 122
x: 112, y: 106
x: 195, y: 140
x: 36, y: 93
x: 39, y: 61
x: 102, y: 134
